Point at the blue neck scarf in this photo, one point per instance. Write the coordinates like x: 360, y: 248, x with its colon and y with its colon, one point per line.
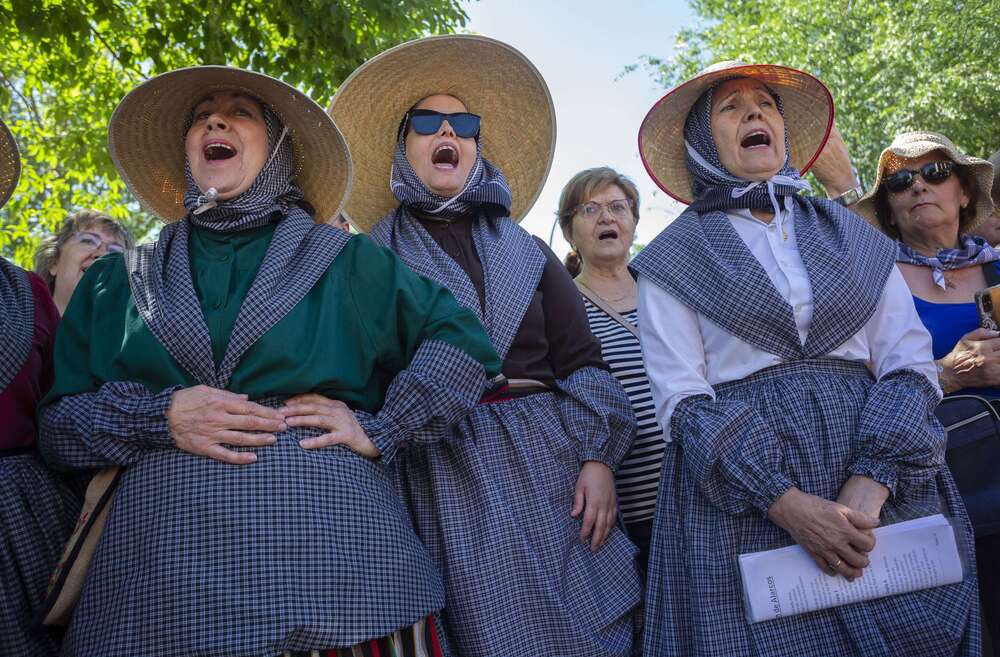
x: 272, y: 191
x: 714, y: 187
x: 973, y: 251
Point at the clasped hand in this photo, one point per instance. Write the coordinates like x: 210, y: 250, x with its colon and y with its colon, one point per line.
x: 208, y: 421
x: 837, y: 535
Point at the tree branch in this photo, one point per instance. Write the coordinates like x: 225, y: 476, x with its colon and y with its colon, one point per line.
x: 28, y: 103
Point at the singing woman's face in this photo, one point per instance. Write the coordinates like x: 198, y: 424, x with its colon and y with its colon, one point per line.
x: 441, y: 160
x: 226, y: 144
x: 748, y: 129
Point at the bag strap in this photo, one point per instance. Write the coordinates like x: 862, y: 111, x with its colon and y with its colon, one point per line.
x: 991, y: 274
x: 603, y: 305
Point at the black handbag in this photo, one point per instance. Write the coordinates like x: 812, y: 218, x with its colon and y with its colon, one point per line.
x: 973, y: 456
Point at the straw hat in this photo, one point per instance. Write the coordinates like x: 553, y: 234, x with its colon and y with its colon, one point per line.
x: 146, y: 137
x: 995, y: 161
x: 491, y: 78
x: 910, y: 145
x: 10, y: 164
x: 807, y: 105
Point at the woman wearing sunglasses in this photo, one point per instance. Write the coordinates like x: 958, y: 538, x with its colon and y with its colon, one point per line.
x: 933, y: 199
x: 63, y: 258
x: 930, y: 197
x: 518, y: 509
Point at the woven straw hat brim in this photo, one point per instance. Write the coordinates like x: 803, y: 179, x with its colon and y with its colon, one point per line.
x: 146, y: 137
x: 911, y: 145
x: 491, y: 78
x: 808, y: 112
x: 995, y: 161
x: 10, y: 164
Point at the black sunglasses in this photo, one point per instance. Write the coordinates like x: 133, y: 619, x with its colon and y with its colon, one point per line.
x: 428, y: 122
x: 934, y: 173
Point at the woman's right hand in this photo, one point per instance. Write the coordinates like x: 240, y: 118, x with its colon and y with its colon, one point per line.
x: 204, y: 420
x: 973, y: 362
x: 837, y: 537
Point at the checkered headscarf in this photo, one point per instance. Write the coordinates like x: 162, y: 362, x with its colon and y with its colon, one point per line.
x: 17, y: 317
x: 272, y: 191
x: 714, y: 187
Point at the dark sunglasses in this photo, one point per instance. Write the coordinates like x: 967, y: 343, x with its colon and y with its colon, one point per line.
x: 428, y: 122
x: 934, y: 173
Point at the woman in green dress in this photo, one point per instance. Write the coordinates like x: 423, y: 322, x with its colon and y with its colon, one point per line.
x: 245, y: 524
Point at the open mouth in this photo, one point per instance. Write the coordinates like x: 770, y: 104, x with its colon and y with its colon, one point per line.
x: 218, y: 150
x: 608, y: 235
x: 445, y: 156
x: 756, y: 138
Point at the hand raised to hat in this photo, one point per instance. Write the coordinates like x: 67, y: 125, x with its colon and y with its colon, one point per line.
x: 203, y: 420
x: 333, y: 416
x: 833, y: 166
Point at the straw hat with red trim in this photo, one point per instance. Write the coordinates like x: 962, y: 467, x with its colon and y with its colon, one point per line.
x: 147, y: 130
x: 10, y: 164
x: 808, y: 112
x: 490, y: 77
x: 911, y: 145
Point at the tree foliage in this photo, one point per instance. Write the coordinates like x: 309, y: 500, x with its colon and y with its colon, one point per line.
x: 67, y: 63
x: 891, y: 65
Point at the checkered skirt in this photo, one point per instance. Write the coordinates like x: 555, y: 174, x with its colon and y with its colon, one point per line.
x: 817, y: 410
x: 301, y: 550
x: 492, y: 505
x: 37, y: 513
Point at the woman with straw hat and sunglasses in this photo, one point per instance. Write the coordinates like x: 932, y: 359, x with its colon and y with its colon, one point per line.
x: 248, y: 521
x: 37, y: 507
x: 933, y: 199
x: 518, y: 508
x: 797, y: 388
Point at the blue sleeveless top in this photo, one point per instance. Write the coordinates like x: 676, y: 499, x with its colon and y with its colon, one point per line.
x: 947, y: 323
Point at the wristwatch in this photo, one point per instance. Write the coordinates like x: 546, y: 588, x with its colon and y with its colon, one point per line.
x: 851, y: 196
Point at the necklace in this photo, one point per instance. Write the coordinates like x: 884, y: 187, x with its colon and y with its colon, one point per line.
x: 627, y: 295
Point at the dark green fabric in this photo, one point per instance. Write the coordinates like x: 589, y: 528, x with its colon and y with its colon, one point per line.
x: 347, y: 339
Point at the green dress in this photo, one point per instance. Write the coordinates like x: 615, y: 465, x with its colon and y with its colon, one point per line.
x: 303, y: 549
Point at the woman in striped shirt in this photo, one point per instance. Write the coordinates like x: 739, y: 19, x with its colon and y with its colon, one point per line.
x: 598, y: 213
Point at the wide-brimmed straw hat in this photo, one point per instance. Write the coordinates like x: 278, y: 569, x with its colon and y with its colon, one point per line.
x: 995, y: 161
x: 491, y: 78
x: 806, y: 102
x: 911, y: 145
x: 147, y: 132
x: 10, y: 164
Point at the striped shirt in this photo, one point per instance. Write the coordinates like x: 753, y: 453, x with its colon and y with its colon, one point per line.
x: 639, y: 474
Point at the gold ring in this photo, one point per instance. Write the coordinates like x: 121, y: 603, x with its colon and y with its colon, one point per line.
x: 834, y: 566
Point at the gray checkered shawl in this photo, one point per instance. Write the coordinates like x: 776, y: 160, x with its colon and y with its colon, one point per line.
x: 512, y: 267
x: 700, y: 259
x: 17, y: 318
x: 160, y: 278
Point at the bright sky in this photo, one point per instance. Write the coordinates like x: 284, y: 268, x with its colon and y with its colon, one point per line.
x: 580, y: 47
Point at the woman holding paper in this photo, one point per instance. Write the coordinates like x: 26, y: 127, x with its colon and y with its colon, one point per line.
x: 791, y: 376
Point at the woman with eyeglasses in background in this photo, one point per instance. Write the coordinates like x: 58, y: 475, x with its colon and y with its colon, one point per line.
x: 63, y: 258
x: 598, y: 214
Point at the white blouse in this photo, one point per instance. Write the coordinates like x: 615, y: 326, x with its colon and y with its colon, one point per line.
x: 686, y: 353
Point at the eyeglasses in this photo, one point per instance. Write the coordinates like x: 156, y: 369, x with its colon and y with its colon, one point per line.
x: 620, y: 208
x: 93, y: 241
x: 934, y: 173
x: 428, y: 122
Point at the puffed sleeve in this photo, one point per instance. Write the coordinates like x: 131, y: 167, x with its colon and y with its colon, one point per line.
x: 900, y: 441
x: 440, y: 351
x: 85, y: 422
x: 732, y: 454
x: 594, y: 408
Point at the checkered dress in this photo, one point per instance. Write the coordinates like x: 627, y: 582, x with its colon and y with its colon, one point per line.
x: 813, y: 422
x: 492, y: 504
x: 37, y: 514
x: 304, y: 549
